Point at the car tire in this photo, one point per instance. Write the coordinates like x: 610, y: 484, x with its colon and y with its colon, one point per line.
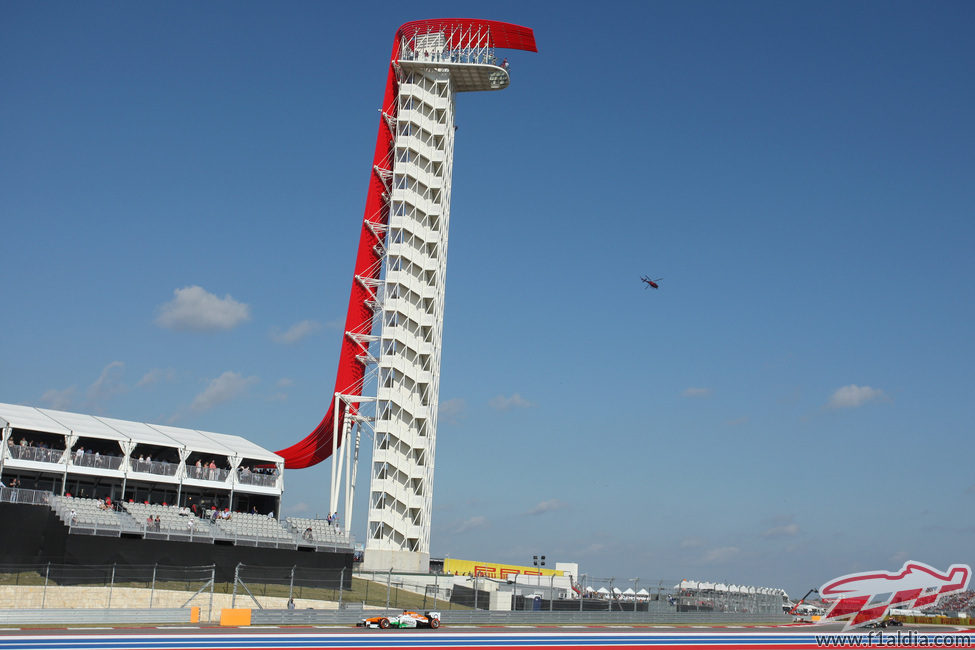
x: 434, y: 623
x: 384, y: 623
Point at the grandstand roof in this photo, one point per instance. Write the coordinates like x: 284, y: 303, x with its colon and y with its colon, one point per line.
x: 64, y: 423
x: 28, y: 417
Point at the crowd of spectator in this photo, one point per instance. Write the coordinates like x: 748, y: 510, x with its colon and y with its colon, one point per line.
x: 961, y: 602
x: 30, y: 450
x: 203, y: 469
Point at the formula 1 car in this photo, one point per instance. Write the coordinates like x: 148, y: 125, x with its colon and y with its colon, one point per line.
x: 406, y: 619
x: 890, y: 622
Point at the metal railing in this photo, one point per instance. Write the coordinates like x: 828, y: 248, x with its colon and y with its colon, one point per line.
x: 36, y: 454
x: 254, y: 478
x: 96, y: 460
x: 205, y: 473
x: 456, y: 55
x: 153, y: 467
x: 25, y: 496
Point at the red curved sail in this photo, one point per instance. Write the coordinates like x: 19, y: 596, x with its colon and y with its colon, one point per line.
x: 317, y: 445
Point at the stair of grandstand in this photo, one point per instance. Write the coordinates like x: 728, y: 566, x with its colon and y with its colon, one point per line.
x: 172, y: 524
x: 321, y: 534
x: 88, y: 516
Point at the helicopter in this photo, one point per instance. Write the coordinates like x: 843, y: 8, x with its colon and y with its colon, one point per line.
x: 651, y: 283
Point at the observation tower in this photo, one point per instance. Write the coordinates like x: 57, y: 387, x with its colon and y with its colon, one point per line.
x: 388, y: 380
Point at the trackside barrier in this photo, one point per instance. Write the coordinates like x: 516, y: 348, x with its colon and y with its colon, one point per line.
x: 98, y: 616
x: 455, y: 617
x: 235, y: 616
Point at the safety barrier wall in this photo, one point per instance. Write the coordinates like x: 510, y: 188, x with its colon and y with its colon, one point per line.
x: 97, y: 616
x: 352, y: 616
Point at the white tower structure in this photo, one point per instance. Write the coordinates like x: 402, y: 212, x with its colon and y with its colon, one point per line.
x: 434, y: 64
x: 394, y: 329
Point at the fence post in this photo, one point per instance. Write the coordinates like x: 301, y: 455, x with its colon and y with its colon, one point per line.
x: 152, y: 591
x: 551, y: 592
x: 436, y: 594
x: 291, y: 587
x: 389, y: 579
x: 213, y: 578
x: 475, y: 591
x: 111, y: 586
x: 47, y: 573
x: 341, y: 586
x: 233, y: 599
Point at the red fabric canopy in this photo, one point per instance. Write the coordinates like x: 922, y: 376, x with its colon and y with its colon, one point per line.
x: 317, y: 445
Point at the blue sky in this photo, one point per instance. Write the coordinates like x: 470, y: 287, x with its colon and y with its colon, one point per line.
x: 181, y: 187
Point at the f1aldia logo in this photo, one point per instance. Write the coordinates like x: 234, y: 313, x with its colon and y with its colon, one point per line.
x: 867, y: 597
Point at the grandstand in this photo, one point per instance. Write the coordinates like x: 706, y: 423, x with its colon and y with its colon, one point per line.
x: 709, y: 596
x: 179, y: 492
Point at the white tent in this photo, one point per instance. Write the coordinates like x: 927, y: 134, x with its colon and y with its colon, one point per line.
x: 616, y: 590
x: 603, y: 590
x: 643, y: 592
x: 629, y: 592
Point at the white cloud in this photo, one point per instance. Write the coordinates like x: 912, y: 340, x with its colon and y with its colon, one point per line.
x: 696, y: 392
x: 786, y: 530
x: 596, y: 548
x: 298, y: 508
x: 469, y: 524
x: 59, y: 399
x: 108, y: 384
x: 853, y: 396
x: 196, y: 309
x: 720, y: 554
x: 546, y: 506
x: 296, y: 332
x: 155, y: 376
x: 502, y: 403
x: 284, y: 382
x: 452, y: 411
x: 692, y: 542
x: 224, y: 388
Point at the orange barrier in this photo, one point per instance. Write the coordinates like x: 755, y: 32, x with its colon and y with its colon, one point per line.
x: 235, y: 617
x: 194, y: 614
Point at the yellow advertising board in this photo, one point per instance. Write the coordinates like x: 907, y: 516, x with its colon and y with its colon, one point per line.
x: 493, y: 569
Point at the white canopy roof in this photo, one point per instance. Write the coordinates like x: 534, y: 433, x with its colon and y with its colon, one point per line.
x: 629, y: 592
x: 139, y: 432
x: 64, y: 423
x: 244, y: 447
x: 602, y: 590
x: 86, y: 425
x: 643, y: 592
x: 194, y: 440
x: 28, y: 417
